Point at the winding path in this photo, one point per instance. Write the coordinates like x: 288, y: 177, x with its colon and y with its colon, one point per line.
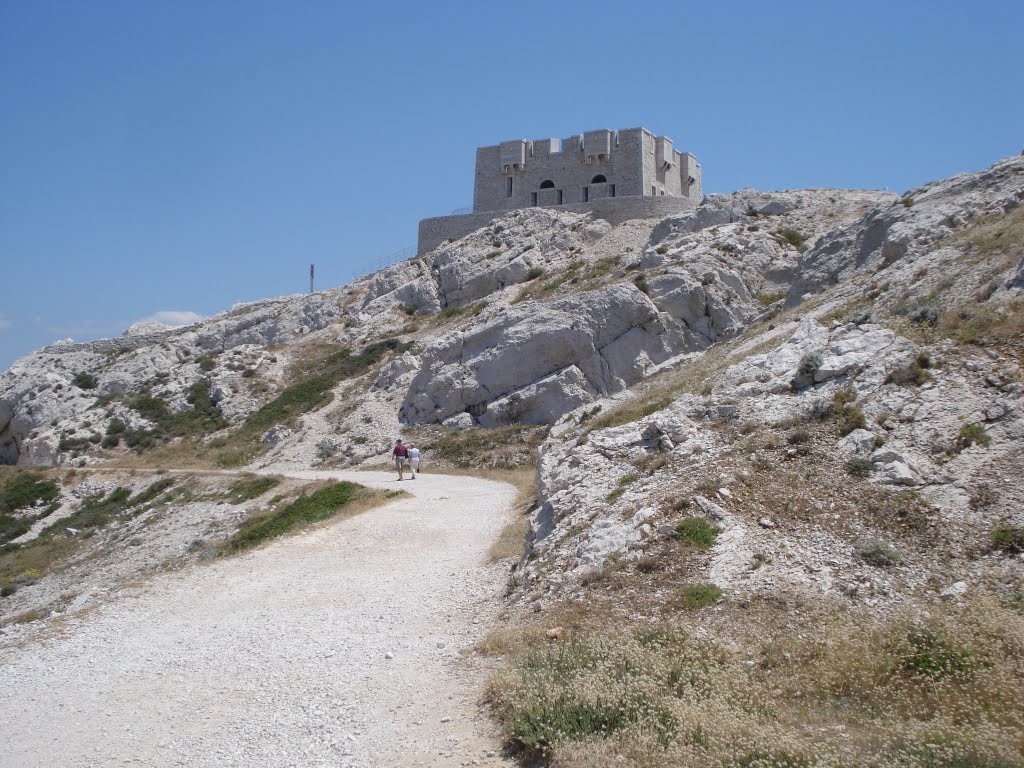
x: 279, y: 657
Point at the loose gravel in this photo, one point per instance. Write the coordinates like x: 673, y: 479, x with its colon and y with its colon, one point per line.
x: 339, y: 647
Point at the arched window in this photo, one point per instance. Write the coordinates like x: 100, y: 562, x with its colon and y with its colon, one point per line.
x: 549, y: 184
x: 599, y: 179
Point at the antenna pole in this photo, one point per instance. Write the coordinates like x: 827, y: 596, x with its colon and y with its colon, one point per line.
x: 311, y: 273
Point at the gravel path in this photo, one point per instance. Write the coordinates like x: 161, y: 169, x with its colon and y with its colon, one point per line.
x: 280, y: 657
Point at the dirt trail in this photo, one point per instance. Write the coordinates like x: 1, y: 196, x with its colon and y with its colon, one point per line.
x: 279, y: 657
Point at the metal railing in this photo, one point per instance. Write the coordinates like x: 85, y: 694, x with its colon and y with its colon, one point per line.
x: 383, y: 263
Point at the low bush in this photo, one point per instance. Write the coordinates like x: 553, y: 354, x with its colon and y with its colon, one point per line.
x: 878, y: 554
x: 695, y: 596
x: 1008, y: 538
x: 206, y: 363
x: 916, y: 373
x: 973, y: 433
x: 794, y: 237
x: 84, y: 380
x: 533, y: 273
x: 859, y: 467
x: 697, y: 532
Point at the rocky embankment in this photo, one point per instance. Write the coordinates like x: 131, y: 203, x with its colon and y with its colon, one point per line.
x: 862, y: 343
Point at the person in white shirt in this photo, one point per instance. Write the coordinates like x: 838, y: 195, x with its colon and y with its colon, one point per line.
x: 414, y: 461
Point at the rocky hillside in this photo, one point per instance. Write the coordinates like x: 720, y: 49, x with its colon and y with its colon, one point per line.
x: 810, y: 395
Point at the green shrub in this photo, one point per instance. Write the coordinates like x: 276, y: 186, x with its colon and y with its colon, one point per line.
x: 533, y: 273
x: 641, y: 283
x: 305, y: 510
x: 916, y: 373
x: 696, y: 596
x: 878, y: 554
x: 906, y: 202
x: 111, y: 441
x: 207, y: 363
x: 927, y: 654
x: 26, y: 489
x: 859, y: 467
x: 973, y: 433
x: 200, y: 418
x: 85, y: 380
x: 924, y: 310
x: 697, y: 532
x: 1008, y: 538
x: 409, y: 309
x: 116, y: 427
x: 810, y: 363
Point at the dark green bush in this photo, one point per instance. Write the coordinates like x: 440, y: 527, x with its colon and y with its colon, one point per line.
x: 697, y: 532
x: 85, y: 380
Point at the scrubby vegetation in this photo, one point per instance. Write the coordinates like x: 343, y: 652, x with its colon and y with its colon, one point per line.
x: 499, y: 448
x: 322, y: 504
x: 942, y: 690
x: 200, y: 418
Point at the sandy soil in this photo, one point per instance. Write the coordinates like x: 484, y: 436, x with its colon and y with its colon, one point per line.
x: 280, y: 657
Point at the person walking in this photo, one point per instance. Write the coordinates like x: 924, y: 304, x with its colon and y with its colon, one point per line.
x: 414, y: 460
x: 401, y: 455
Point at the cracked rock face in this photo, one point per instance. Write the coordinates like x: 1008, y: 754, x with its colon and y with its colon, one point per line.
x: 532, y: 364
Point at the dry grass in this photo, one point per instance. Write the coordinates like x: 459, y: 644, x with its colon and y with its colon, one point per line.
x: 512, y: 539
x: 937, y: 690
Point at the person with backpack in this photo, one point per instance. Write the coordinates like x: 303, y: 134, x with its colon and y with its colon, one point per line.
x: 401, y: 455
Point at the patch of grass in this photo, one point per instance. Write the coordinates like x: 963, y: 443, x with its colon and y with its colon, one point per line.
x: 640, y: 281
x: 206, y: 363
x: 320, y: 505
x: 973, y: 433
x: 767, y: 298
x: 505, y: 447
x: 452, y: 311
x: 533, y: 273
x: 693, y: 597
x: 878, y: 554
x: 1008, y: 538
x: 794, y: 237
x: 697, y: 532
x: 1001, y: 323
x: 925, y: 652
x: 200, y: 418
x: 249, y: 487
x: 936, y: 689
x: 632, y: 411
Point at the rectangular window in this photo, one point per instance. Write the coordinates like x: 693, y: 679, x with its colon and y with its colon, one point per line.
x: 654, y: 191
x: 533, y: 198
x: 611, y: 190
x: 585, y: 195
x: 559, y: 198
x: 508, y: 187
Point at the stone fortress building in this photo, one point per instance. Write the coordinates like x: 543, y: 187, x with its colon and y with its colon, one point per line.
x: 618, y: 175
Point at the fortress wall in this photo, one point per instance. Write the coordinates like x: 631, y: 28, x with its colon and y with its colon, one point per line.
x: 567, y: 168
x: 615, y: 210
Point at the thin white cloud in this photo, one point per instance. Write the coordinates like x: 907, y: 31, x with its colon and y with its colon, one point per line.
x: 174, y: 317
x: 4, y: 322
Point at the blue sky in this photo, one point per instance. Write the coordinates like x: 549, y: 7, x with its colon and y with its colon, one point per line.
x: 178, y: 157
